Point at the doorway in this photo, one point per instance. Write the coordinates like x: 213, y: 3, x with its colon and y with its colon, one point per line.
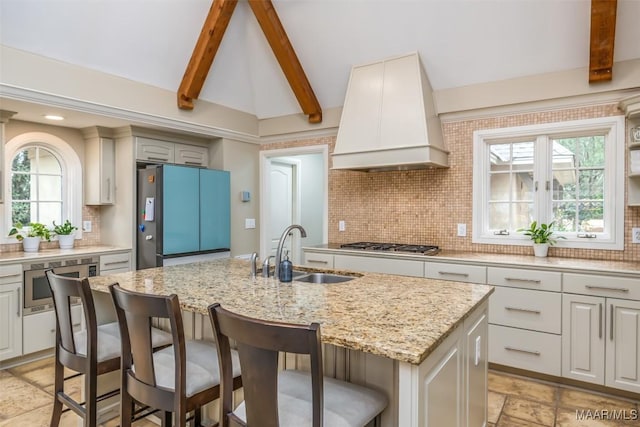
x: 294, y: 189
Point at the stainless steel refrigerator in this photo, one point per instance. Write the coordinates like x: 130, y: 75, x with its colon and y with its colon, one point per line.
x: 183, y: 215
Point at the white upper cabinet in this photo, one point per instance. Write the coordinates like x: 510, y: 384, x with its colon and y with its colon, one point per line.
x: 160, y: 151
x: 99, y: 167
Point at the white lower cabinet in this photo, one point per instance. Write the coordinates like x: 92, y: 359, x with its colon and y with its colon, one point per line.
x: 39, y: 330
x: 530, y: 350
x: 317, y: 260
x: 601, y: 341
x: 115, y: 263
x: 455, y: 272
x: 10, y: 320
x: 403, y: 267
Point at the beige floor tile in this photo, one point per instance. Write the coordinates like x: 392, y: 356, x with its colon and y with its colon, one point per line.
x: 521, y: 388
x: 28, y: 367
x: 72, y: 387
x: 19, y: 397
x: 580, y: 399
x: 491, y: 425
x: 495, y: 404
x: 40, y: 418
x: 569, y: 418
x: 507, y: 421
x: 530, y: 411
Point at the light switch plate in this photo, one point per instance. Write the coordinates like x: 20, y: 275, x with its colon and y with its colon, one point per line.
x: 462, y: 230
x: 341, y: 226
x: 249, y: 223
x: 635, y: 235
x: 86, y: 226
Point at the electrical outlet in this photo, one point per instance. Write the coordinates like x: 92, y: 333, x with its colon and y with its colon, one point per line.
x: 86, y: 226
x: 635, y: 235
x: 462, y: 230
x: 249, y: 223
x: 341, y: 226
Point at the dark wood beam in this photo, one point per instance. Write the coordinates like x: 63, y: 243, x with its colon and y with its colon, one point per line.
x: 204, y: 52
x: 287, y: 58
x: 603, y: 34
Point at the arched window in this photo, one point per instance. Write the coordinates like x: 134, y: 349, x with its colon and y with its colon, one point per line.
x: 43, y: 183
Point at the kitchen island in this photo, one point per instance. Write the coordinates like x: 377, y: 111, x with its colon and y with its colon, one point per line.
x: 423, y: 341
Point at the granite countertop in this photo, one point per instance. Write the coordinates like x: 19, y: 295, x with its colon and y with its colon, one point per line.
x: 403, y: 318
x: 628, y: 268
x: 49, y: 254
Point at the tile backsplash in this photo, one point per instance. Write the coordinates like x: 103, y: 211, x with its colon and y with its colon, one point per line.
x: 425, y: 206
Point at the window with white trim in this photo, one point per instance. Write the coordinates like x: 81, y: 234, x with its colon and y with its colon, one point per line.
x: 571, y: 173
x: 44, y: 182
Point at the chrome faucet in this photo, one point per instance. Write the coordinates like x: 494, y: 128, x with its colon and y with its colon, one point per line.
x: 285, y: 233
x: 265, y: 266
x: 254, y: 261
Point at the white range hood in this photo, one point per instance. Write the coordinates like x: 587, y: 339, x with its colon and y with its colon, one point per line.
x: 388, y: 119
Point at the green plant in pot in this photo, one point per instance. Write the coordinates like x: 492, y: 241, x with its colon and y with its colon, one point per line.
x: 540, y: 234
x: 30, y: 236
x: 65, y: 233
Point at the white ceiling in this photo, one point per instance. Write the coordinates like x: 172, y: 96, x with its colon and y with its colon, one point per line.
x: 461, y: 42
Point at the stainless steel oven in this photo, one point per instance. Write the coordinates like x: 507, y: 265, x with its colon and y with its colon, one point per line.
x: 37, y: 295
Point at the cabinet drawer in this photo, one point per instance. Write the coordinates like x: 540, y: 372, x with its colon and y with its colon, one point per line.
x: 154, y: 150
x: 312, y: 259
x: 604, y: 286
x: 191, y: 155
x: 455, y: 272
x: 528, y: 279
x: 10, y: 274
x: 527, y: 309
x: 115, y: 262
x: 534, y: 351
x: 39, y: 330
x: 402, y: 267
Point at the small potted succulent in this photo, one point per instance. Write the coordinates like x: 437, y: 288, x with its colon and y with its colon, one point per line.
x: 31, y: 236
x: 66, y: 234
x: 540, y: 234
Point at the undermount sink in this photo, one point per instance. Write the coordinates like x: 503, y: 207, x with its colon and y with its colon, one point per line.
x: 323, y: 278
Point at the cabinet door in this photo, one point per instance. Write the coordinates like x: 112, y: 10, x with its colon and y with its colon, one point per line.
x: 476, y: 371
x: 193, y: 155
x: 100, y: 171
x: 10, y: 321
x: 39, y: 330
x: 583, y: 337
x: 153, y: 150
x: 215, y: 210
x: 623, y: 344
x: 180, y: 209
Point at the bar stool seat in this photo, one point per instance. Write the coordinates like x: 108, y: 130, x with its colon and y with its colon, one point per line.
x: 345, y: 404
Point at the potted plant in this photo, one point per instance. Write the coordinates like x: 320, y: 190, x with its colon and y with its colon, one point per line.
x: 540, y: 234
x: 66, y: 234
x: 31, y: 236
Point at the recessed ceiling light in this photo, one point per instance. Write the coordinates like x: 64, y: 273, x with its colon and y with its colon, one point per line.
x: 53, y: 117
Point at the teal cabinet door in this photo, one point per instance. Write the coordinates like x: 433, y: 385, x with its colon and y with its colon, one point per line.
x: 181, y: 216
x: 215, y: 210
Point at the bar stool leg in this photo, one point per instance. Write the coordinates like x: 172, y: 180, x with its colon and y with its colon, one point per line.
x: 58, y: 387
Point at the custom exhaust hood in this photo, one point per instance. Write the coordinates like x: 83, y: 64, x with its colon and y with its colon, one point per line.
x: 389, y: 120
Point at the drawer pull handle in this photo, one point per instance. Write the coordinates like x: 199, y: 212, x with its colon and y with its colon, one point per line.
x: 600, y: 320
x: 53, y: 331
x: 196, y: 163
x: 450, y: 273
x: 5, y: 276
x: 524, y: 310
x: 162, y: 159
x: 116, y: 262
x: 515, y: 279
x: 611, y: 327
x: 519, y: 350
x: 76, y: 324
x: 318, y: 261
x: 606, y: 288
x: 19, y: 304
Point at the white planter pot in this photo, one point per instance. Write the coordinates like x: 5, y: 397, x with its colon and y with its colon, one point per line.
x: 540, y: 249
x: 66, y: 241
x: 31, y: 244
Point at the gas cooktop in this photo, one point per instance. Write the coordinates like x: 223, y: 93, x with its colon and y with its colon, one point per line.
x: 392, y: 247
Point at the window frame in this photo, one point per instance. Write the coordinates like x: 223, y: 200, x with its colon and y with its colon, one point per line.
x: 614, y: 129
x: 71, y: 173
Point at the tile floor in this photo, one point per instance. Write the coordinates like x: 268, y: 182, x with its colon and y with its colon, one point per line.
x: 26, y: 400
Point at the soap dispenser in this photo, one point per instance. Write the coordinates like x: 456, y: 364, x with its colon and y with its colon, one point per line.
x: 286, y: 269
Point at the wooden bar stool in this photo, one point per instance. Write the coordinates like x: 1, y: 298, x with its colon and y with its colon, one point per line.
x: 287, y: 398
x: 91, y: 352
x: 178, y: 379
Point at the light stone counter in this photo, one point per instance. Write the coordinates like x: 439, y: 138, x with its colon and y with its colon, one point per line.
x: 51, y: 254
x: 401, y: 318
x: 576, y: 265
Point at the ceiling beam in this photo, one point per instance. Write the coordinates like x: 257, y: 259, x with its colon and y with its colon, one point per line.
x: 287, y: 58
x: 204, y: 52
x: 603, y: 34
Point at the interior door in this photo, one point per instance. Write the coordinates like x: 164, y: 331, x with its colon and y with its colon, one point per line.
x: 281, y: 203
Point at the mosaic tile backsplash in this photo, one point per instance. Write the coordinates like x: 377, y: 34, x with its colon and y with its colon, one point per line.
x: 425, y: 206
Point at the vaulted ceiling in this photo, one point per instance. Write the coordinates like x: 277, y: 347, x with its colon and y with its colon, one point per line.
x: 461, y: 42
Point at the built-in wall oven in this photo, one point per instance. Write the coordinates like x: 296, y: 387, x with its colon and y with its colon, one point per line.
x: 37, y: 295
